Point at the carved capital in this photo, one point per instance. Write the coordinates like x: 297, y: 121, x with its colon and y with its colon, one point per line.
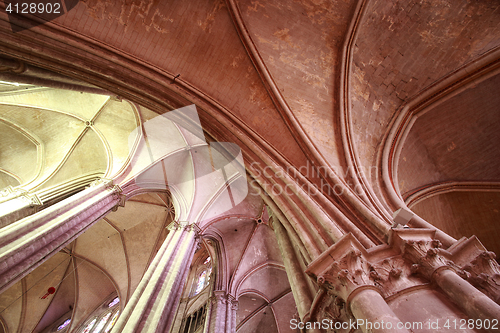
x: 219, y: 297
x: 178, y: 225
x: 427, y: 257
x: 212, y: 300
x: 484, y: 273
x: 118, y: 193
x: 108, y: 183
x: 425, y: 253
x: 10, y: 193
x: 232, y: 302
x: 355, y: 267
x: 332, y: 308
x: 349, y: 272
x: 394, y: 274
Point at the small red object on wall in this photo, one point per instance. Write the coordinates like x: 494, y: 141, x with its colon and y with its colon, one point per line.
x: 50, y: 291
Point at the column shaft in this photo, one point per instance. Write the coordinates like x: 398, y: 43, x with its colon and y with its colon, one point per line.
x: 27, y: 243
x: 475, y: 304
x: 369, y: 307
x: 153, y: 305
x: 296, y: 277
x: 232, y: 307
x: 218, y: 312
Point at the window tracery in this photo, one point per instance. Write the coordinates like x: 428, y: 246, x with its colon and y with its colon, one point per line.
x: 64, y: 325
x: 112, y: 322
x: 89, y: 326
x: 203, y: 277
x: 104, y: 318
x: 102, y: 322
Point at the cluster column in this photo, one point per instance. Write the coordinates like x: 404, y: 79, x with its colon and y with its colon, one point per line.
x: 438, y: 265
x: 354, y: 285
x: 223, y: 313
x: 300, y: 289
x: 27, y: 243
x: 153, y: 305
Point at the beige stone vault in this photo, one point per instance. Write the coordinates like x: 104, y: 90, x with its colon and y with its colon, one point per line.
x: 250, y: 166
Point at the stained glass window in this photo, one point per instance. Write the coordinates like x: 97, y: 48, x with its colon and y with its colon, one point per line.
x: 206, y: 261
x: 115, y: 301
x: 102, y: 322
x: 201, y: 282
x: 112, y: 322
x: 63, y: 325
x: 209, y: 273
x: 103, y: 318
x: 89, y: 326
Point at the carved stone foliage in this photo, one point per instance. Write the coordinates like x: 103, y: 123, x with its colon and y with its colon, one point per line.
x: 347, y: 273
x: 332, y: 312
x: 221, y: 297
x: 484, y: 273
x: 186, y: 225
x: 411, y: 259
x: 393, y: 275
x: 354, y: 270
x: 353, y: 267
x: 468, y: 258
x: 427, y: 256
x: 108, y: 183
x: 233, y: 303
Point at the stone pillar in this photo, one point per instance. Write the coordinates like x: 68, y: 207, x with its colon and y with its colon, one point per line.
x: 178, y: 321
x: 153, y: 305
x: 357, y: 278
x: 218, y: 312
x: 482, y: 270
x: 208, y: 315
x: 473, y: 302
x: 232, y: 307
x: 372, y: 312
x: 296, y: 277
x: 222, y: 313
x: 27, y: 243
x: 436, y: 264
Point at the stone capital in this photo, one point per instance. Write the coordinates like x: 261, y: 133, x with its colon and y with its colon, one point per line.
x: 426, y: 254
x: 10, y: 193
x: 478, y: 266
x: 108, y: 183
x: 348, y: 266
x: 219, y: 296
x: 233, y: 302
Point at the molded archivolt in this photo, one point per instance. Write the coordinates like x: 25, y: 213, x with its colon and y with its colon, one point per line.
x: 444, y: 159
x: 456, y: 140
x: 50, y: 137
x: 398, y: 54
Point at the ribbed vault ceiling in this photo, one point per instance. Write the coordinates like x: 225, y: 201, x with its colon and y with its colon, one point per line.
x: 108, y: 259
x: 398, y: 50
x: 51, y: 136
